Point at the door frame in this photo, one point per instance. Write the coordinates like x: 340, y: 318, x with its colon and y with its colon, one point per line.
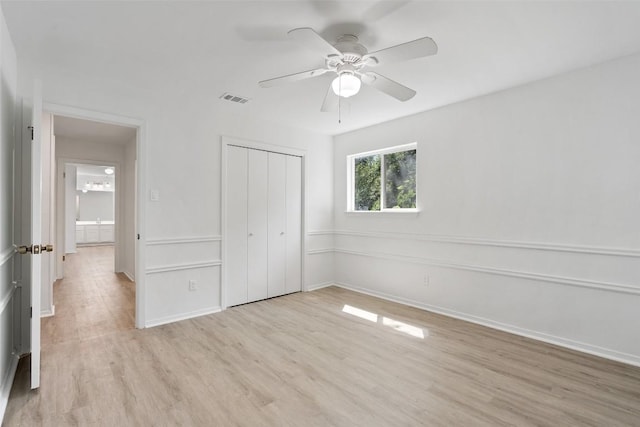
x: 227, y: 141
x: 141, y: 189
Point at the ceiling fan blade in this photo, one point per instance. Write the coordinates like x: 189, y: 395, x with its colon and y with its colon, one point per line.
x: 292, y: 77
x: 330, y: 102
x: 403, y: 52
x: 313, y: 40
x: 388, y: 86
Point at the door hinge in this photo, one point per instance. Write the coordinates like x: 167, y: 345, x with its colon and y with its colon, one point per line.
x: 138, y: 237
x: 31, y: 312
x: 64, y: 174
x: 64, y: 258
x: 31, y: 128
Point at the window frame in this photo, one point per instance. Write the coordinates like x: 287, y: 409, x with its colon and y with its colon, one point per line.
x: 351, y: 189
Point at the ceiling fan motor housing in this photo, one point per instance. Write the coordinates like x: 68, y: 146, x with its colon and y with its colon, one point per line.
x: 352, y: 50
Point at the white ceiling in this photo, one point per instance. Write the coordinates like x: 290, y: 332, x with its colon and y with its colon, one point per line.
x: 93, y: 170
x: 87, y: 130
x: 203, y: 49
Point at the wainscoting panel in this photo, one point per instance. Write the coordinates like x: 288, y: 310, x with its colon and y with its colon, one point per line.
x: 168, y: 285
x: 8, y: 360
x: 182, y: 251
x: 319, y: 241
x: 614, y: 269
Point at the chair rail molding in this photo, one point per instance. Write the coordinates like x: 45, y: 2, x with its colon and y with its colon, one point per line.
x: 464, y: 240
x: 6, y: 255
x: 6, y: 299
x: 607, y: 286
x: 184, y: 239
x: 320, y: 251
x: 183, y: 266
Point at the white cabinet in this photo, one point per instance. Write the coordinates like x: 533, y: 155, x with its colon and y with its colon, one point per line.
x: 105, y: 233
x: 79, y: 233
x: 91, y: 233
x: 264, y: 225
x: 94, y: 233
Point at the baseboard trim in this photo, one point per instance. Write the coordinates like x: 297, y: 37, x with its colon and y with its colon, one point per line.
x: 49, y: 312
x: 183, y: 316
x: 605, y: 353
x: 317, y: 286
x: 129, y: 275
x: 7, y: 382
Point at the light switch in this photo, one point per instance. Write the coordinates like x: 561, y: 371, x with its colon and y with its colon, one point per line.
x: 155, y: 195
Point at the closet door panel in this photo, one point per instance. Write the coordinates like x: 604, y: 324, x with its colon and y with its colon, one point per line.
x: 257, y: 204
x: 277, y: 223
x: 293, y: 232
x: 236, y: 238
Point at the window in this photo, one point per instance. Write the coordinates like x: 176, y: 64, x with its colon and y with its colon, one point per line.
x: 383, y: 180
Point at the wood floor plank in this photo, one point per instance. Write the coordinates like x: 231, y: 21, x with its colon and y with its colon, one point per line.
x: 301, y: 360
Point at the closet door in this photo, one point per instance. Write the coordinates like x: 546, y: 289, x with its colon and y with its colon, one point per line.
x: 293, y: 233
x: 257, y: 225
x: 277, y: 223
x: 236, y: 233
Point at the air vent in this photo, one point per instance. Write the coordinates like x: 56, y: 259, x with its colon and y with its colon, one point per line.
x: 234, y: 98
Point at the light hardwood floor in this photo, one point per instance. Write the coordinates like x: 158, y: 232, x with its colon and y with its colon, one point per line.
x: 326, y: 358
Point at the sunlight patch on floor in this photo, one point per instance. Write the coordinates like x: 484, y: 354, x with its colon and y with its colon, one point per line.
x: 414, y: 331
x: 363, y: 314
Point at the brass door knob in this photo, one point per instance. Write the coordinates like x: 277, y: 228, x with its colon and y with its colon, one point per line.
x: 23, y: 249
x: 34, y: 249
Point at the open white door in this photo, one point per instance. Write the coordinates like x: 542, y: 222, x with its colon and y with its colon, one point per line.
x: 31, y: 234
x: 36, y: 231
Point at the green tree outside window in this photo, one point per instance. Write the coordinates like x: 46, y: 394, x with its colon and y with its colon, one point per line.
x: 399, y: 191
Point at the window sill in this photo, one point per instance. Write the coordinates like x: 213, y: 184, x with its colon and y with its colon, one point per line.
x: 389, y: 212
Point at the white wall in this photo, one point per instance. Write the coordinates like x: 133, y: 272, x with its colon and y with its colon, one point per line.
x: 88, y: 150
x: 183, y: 227
x: 182, y: 161
x: 9, y: 303
x: 529, y: 206
x: 94, y: 205
x: 69, y: 212
x: 128, y: 229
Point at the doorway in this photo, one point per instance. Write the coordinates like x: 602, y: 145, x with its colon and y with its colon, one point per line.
x: 95, y: 291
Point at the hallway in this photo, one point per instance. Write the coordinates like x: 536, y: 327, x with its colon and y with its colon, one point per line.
x: 92, y: 305
x: 91, y: 300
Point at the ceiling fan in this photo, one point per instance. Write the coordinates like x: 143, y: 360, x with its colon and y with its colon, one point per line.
x: 349, y: 60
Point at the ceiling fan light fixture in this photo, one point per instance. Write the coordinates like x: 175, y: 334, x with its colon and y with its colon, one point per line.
x: 346, y: 85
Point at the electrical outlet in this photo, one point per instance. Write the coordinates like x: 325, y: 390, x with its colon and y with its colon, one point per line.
x: 193, y: 285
